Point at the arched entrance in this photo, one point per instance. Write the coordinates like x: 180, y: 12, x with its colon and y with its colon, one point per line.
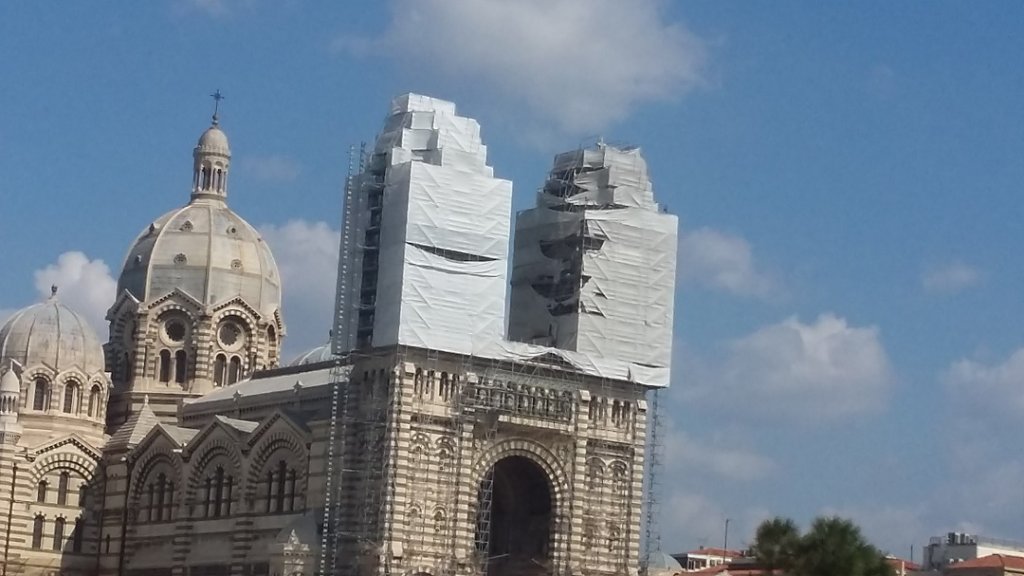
x: 521, y: 518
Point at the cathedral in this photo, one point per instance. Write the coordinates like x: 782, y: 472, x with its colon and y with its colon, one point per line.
x: 476, y: 413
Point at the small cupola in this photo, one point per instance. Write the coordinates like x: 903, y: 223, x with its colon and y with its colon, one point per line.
x: 10, y: 392
x: 211, y: 158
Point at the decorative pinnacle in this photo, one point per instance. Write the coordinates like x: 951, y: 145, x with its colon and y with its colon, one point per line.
x: 217, y: 97
x: 53, y: 291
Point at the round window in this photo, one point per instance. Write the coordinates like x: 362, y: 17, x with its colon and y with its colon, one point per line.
x: 175, y: 330
x: 230, y: 335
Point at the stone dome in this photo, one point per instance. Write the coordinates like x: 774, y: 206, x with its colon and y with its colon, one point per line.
x: 213, y: 140
x: 207, y: 251
x: 315, y: 356
x: 661, y: 561
x: 51, y: 334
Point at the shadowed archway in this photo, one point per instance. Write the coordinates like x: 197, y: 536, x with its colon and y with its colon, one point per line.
x: 521, y: 519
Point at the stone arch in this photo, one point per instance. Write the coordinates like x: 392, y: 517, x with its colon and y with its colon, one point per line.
x: 555, y: 475
x: 81, y: 465
x: 540, y: 455
x: 154, y: 461
x: 419, y: 571
x: 267, y: 447
x: 221, y: 458
x: 213, y: 451
x: 29, y: 379
x: 444, y: 452
x: 243, y: 315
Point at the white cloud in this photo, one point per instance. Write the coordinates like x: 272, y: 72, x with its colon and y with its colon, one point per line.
x: 579, y: 64
x: 799, y: 371
x: 951, y: 278
x: 307, y: 256
x: 722, y: 261
x: 694, y: 456
x: 998, y: 386
x: 272, y: 168
x: 85, y: 285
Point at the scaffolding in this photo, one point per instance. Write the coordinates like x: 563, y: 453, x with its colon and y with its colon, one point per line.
x: 652, y: 490
x: 339, y: 388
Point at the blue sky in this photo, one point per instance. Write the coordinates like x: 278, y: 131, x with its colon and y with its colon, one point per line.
x: 848, y: 181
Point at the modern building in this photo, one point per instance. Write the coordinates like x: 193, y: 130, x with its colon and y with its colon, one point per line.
x: 421, y: 441
x: 956, y: 547
x: 707, y: 557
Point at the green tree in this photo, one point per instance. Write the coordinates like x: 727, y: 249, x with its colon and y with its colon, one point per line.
x: 775, y: 544
x: 832, y: 547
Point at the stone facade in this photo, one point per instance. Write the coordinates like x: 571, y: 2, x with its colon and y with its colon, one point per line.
x: 54, y: 394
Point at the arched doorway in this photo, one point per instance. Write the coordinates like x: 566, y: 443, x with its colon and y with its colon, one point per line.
x: 521, y: 518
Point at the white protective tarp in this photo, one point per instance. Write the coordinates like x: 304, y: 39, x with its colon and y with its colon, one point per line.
x: 594, y: 264
x: 441, y: 259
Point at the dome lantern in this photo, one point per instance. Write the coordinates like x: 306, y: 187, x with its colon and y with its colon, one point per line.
x: 210, y: 160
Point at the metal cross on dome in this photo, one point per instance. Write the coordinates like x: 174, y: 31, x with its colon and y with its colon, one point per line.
x: 217, y: 97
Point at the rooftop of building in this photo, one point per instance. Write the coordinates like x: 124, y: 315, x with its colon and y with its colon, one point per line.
x: 991, y: 561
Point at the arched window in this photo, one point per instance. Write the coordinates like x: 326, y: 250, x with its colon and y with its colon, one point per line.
x: 619, y: 481
x: 218, y: 490
x: 208, y: 508
x: 219, y: 494
x: 439, y: 522
x: 77, y: 536
x: 228, y: 489
x: 282, y: 471
x: 290, y: 503
x: 70, y: 392
x: 94, y: 401
x: 150, y: 502
x: 280, y: 489
x: 83, y: 496
x: 126, y: 368
x: 445, y: 390
x: 161, y: 486
x: 270, y: 490
x: 58, y: 534
x: 40, y: 397
x: 37, y: 532
x: 62, y: 488
x: 41, y: 491
x: 444, y: 457
x: 180, y: 366
x: 220, y: 365
x: 165, y: 366
x: 169, y: 489
x: 234, y: 370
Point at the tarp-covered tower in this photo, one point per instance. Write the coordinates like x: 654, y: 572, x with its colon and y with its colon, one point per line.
x: 428, y: 225
x: 594, y: 263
